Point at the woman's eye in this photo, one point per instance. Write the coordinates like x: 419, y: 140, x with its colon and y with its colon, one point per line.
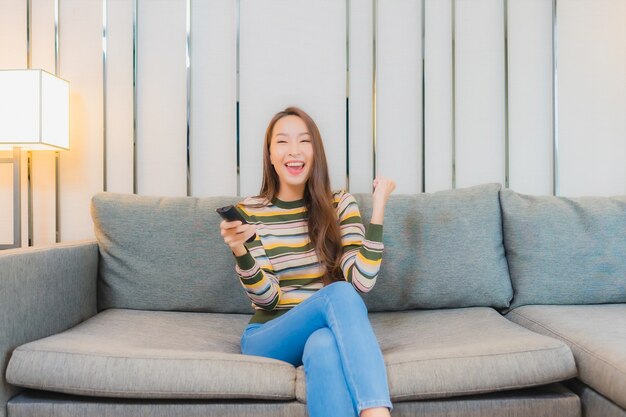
x: 305, y: 140
x: 282, y: 141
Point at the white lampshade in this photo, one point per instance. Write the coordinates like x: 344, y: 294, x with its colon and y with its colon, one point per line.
x: 34, y: 110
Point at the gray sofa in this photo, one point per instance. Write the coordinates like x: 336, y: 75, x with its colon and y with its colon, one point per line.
x: 488, y: 303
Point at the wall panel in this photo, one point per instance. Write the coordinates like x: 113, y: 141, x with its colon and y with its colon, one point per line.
x: 161, y: 98
x: 44, y: 198
x: 42, y: 32
x: 295, y: 53
x: 43, y: 172
x: 399, y: 93
x: 530, y: 96
x: 592, y: 97
x: 479, y: 92
x: 6, y: 202
x: 439, y: 100
x: 361, y: 153
x: 80, y: 176
x: 13, y: 54
x: 119, y: 96
x: 213, y: 132
x: 13, y: 34
x: 300, y: 60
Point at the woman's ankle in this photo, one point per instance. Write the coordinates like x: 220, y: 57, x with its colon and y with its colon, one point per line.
x: 376, y: 412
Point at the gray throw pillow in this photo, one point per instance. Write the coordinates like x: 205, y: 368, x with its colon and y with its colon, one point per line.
x: 565, y: 250
x: 165, y: 253
x: 442, y: 250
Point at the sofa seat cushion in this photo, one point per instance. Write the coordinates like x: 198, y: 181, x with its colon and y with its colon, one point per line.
x: 449, y: 353
x: 151, y: 354
x: 595, y: 333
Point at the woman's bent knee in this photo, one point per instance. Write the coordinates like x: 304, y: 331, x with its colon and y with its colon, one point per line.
x: 320, y: 344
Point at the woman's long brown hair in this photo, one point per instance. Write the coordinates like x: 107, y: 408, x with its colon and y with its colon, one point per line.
x: 323, y: 224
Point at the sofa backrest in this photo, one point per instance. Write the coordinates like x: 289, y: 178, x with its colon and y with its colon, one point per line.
x: 165, y: 253
x: 565, y: 250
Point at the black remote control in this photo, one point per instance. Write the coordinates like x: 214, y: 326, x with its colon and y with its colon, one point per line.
x: 230, y: 213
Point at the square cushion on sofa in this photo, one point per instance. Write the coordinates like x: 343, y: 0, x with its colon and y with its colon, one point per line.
x: 565, y: 250
x: 151, y: 354
x: 165, y: 253
x: 455, y: 352
x: 595, y: 333
x: 442, y: 250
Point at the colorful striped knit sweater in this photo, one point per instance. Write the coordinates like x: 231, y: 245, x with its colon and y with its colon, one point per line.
x: 281, y: 269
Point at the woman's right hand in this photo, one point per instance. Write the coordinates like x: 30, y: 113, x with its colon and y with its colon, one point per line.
x: 235, y: 234
x: 383, y: 187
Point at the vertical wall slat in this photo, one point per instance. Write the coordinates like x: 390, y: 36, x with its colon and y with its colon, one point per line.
x: 161, y: 99
x: 213, y: 130
x: 119, y: 97
x: 479, y: 92
x: 13, y: 55
x: 297, y: 61
x: 43, y: 182
x: 80, y: 175
x: 360, y: 156
x: 42, y: 31
x: 438, y: 111
x: 399, y: 90
x: 13, y: 44
x: 592, y: 97
x: 530, y: 96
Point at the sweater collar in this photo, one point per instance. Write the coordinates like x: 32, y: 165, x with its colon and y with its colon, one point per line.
x: 287, y: 204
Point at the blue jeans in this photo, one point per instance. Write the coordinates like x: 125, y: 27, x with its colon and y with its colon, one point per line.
x: 330, y: 334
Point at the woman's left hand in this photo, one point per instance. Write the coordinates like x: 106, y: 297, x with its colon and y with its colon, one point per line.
x: 383, y: 187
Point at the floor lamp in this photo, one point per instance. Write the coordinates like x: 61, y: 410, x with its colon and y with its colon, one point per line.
x: 34, y: 116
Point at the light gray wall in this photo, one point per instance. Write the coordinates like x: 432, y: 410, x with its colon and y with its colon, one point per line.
x: 488, y: 95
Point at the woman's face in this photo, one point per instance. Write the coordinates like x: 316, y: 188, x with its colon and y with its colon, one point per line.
x: 291, y: 154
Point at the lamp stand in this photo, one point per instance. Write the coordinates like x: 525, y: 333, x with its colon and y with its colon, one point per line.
x: 29, y: 172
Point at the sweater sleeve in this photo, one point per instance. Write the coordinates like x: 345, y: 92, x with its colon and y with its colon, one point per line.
x: 362, y: 251
x: 260, y: 284
x: 256, y: 274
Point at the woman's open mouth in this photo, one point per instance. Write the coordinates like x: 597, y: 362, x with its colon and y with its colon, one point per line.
x: 295, y: 168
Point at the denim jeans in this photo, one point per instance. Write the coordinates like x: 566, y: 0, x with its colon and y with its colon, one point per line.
x: 330, y: 334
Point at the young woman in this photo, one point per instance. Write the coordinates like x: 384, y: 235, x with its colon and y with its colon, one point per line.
x: 305, y: 269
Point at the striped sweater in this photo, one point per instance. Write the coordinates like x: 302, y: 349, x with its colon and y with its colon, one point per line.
x: 281, y: 269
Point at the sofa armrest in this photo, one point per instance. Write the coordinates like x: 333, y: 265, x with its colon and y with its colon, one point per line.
x: 43, y: 290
